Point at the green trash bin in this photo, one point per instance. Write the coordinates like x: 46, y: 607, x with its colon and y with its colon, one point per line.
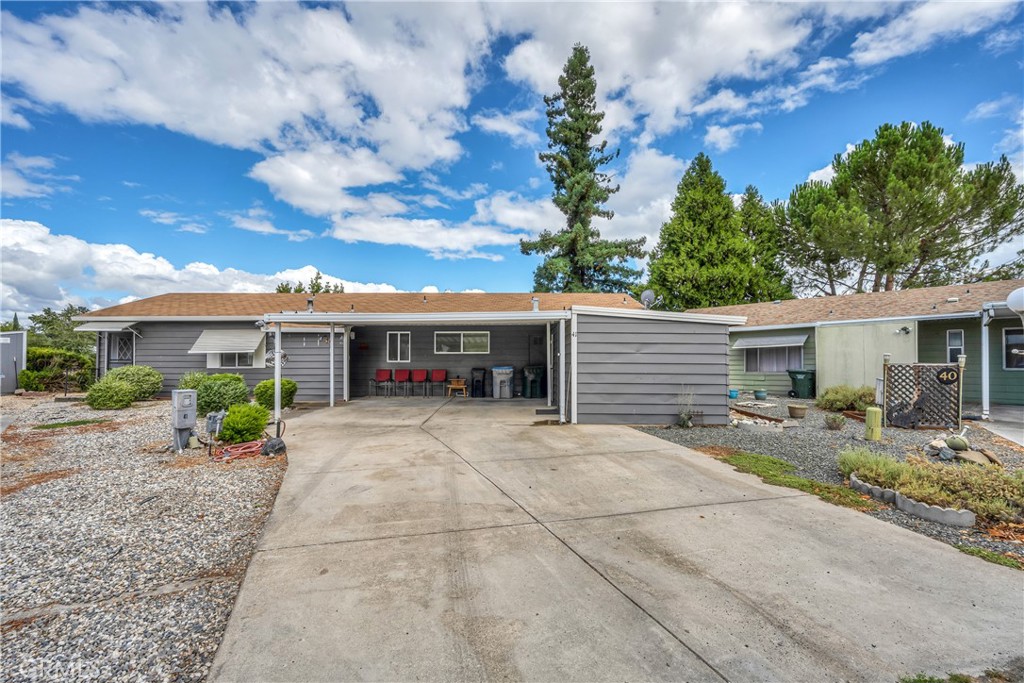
x: 533, y: 381
x: 803, y: 383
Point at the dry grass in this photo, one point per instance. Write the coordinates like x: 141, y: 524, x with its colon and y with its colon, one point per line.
x: 34, y: 479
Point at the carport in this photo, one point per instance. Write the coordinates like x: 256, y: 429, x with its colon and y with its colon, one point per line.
x: 603, y: 365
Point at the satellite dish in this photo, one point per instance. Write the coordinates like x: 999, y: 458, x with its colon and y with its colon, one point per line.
x: 647, y: 298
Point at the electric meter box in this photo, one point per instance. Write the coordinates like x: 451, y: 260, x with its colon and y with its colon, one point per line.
x: 183, y: 408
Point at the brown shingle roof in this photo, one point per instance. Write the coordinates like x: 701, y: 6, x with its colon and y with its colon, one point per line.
x: 256, y: 305
x: 905, y: 303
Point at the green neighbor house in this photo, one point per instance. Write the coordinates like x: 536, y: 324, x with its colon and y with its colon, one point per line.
x: 843, y: 338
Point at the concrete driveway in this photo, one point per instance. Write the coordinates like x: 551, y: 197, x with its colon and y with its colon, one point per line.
x: 422, y: 539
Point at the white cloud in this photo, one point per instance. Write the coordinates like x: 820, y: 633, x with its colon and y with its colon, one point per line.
x: 257, y: 220
x: 196, y: 228
x: 471, y: 191
x: 1003, y: 40
x: 30, y: 177
x: 826, y: 173
x: 514, y: 125
x: 42, y: 269
x: 9, y: 116
x: 997, y: 107
x: 724, y: 138
x: 644, y: 202
x: 130, y: 184
x: 926, y: 23
x: 161, y: 217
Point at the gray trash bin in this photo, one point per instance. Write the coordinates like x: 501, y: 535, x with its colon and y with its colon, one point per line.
x: 501, y: 381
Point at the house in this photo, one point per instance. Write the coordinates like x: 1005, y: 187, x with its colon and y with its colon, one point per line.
x: 842, y: 338
x: 13, y: 352
x: 605, y: 358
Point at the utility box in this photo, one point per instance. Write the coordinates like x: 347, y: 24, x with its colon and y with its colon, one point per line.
x: 183, y: 408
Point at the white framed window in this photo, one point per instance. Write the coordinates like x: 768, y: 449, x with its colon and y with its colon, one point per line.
x: 1013, y: 340
x: 236, y: 360
x: 399, y: 347
x: 954, y: 345
x: 776, y: 359
x: 120, y: 350
x: 462, y: 342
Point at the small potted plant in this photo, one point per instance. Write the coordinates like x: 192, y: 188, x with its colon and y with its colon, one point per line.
x: 835, y: 421
x: 760, y: 394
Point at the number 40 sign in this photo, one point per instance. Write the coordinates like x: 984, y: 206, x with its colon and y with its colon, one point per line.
x: 948, y: 375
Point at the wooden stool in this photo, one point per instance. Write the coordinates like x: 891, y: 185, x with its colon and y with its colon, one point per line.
x: 456, y: 385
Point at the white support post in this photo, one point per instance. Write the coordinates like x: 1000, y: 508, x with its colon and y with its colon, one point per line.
x: 277, y: 376
x: 331, y: 364
x: 344, y: 364
x: 984, y: 366
x: 572, y: 369
x: 548, y: 369
x: 561, y: 371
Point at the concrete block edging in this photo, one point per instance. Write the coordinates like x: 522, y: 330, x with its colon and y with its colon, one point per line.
x: 932, y: 513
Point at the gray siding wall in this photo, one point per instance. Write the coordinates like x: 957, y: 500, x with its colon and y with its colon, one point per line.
x: 12, y: 359
x: 633, y: 371
x: 515, y: 345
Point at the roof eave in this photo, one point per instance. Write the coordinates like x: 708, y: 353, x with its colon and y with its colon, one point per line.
x: 662, y: 315
x: 356, y: 318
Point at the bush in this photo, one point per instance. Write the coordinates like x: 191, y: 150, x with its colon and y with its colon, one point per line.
x: 264, y: 393
x: 835, y: 422
x: 220, y: 391
x: 244, y: 422
x: 842, y: 397
x: 49, y: 366
x: 146, y: 381
x: 30, y: 380
x: 192, y: 380
x: 110, y: 394
x: 992, y: 495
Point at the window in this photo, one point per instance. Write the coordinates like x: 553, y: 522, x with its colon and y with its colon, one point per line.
x: 399, y: 347
x: 236, y: 360
x: 462, y: 342
x: 1013, y: 340
x: 954, y: 345
x: 775, y: 359
x: 120, y: 348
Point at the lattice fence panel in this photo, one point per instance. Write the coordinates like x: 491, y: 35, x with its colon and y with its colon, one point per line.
x: 915, y: 397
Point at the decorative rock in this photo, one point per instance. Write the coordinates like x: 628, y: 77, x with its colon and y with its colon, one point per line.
x: 19, y: 392
x: 789, y: 424
x: 947, y: 453
x: 937, y: 444
x: 991, y: 456
x: 973, y: 456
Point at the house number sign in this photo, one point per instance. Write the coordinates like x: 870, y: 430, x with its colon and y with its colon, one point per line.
x: 948, y: 376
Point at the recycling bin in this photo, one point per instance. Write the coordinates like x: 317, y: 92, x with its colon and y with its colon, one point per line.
x: 502, y: 378
x: 803, y: 383
x: 533, y: 381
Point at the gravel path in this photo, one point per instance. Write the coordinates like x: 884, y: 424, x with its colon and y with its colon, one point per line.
x: 814, y: 451
x: 119, y: 558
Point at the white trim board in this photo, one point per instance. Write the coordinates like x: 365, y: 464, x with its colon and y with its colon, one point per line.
x: 661, y: 315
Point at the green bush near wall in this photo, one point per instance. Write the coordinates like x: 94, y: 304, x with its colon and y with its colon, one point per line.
x: 145, y: 380
x: 110, y: 394
x: 264, y: 393
x: 244, y: 422
x: 46, y: 368
x: 219, y: 392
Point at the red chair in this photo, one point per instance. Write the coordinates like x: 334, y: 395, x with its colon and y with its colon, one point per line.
x: 419, y: 377
x: 382, y: 380
x: 438, y: 377
x: 402, y: 380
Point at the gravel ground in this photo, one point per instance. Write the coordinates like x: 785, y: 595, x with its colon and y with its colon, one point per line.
x: 814, y: 451
x: 121, y: 561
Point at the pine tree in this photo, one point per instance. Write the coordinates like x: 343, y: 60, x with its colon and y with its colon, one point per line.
x: 769, y: 281
x: 576, y: 259
x: 12, y: 326
x: 702, y: 258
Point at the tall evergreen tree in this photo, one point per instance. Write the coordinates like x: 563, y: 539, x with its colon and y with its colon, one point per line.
x: 57, y: 329
x: 769, y: 280
x: 12, y: 326
x: 702, y: 258
x: 576, y: 259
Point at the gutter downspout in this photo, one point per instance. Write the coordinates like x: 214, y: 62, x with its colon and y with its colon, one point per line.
x: 561, y: 371
x: 277, y: 377
x: 986, y: 318
x: 330, y: 362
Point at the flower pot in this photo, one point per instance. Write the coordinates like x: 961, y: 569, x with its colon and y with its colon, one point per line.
x: 734, y: 393
x: 797, y: 412
x: 760, y: 394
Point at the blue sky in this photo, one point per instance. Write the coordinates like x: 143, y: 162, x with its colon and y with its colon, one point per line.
x: 188, y: 147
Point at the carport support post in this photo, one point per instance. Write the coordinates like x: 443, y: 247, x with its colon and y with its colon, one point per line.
x: 344, y: 363
x: 277, y: 377
x: 561, y: 371
x: 331, y: 363
x: 984, y: 366
x: 548, y: 369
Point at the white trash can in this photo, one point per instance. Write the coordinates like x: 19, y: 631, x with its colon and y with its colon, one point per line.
x: 501, y: 381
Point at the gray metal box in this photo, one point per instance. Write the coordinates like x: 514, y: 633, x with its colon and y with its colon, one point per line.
x: 183, y: 408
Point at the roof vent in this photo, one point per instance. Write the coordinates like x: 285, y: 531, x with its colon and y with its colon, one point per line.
x: 952, y: 299
x: 351, y: 308
x: 536, y: 304
x: 309, y: 305
x: 424, y: 298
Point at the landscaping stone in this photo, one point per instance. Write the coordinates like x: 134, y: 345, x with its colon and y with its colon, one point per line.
x: 932, y: 513
x: 973, y: 456
x: 946, y: 453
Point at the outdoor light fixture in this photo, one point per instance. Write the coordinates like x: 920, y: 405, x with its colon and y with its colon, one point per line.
x: 904, y: 330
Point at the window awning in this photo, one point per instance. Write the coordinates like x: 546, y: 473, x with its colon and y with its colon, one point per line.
x: 106, y: 327
x: 227, y: 341
x: 770, y: 342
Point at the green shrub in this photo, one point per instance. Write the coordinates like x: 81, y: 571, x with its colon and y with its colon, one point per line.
x: 219, y: 392
x: 835, y: 422
x: 30, y: 380
x: 110, y: 394
x: 192, y: 380
x: 264, y: 393
x: 50, y: 365
x: 146, y: 381
x: 992, y: 495
x: 244, y: 422
x: 842, y: 397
